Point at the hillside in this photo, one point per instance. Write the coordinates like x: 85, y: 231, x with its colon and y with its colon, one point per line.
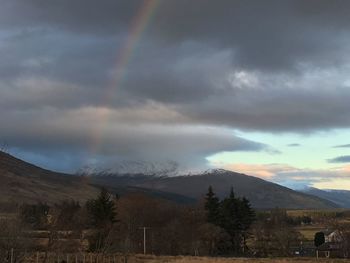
x: 23, y: 182
x: 339, y: 197
x: 261, y: 193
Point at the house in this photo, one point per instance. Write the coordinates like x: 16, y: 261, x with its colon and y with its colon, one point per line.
x: 334, y: 236
x: 334, y: 246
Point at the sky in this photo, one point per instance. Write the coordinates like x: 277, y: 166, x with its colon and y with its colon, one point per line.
x: 257, y: 87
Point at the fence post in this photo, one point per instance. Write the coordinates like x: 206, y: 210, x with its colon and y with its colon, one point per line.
x: 37, y: 257
x: 67, y: 258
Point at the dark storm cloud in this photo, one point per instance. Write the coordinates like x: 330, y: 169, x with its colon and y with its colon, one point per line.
x: 340, y: 159
x: 81, y: 16
x: 264, y: 34
x: 276, y: 66
x: 52, y: 133
x: 293, y: 109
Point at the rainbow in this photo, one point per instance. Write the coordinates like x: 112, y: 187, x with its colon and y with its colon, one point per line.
x: 137, y: 27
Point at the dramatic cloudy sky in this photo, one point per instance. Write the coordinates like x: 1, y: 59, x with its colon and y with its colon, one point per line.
x: 260, y: 87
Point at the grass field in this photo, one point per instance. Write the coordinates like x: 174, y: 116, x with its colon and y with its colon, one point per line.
x: 308, y: 232
x: 179, y: 259
x: 172, y: 259
x: 314, y: 212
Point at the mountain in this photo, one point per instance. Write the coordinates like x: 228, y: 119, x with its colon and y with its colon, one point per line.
x: 23, y: 182
x: 339, y: 197
x: 261, y: 193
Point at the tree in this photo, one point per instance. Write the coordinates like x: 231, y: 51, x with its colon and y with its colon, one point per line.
x: 212, y: 207
x: 319, y: 239
x: 102, y: 210
x: 233, y: 215
x: 11, y: 237
x: 306, y: 220
x: 246, y: 214
x: 229, y: 219
x: 246, y: 217
x: 274, y: 234
x: 102, y: 213
x: 64, y: 214
x: 214, y: 240
x: 65, y: 227
x: 35, y: 215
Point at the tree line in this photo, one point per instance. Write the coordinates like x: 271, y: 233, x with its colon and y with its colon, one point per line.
x: 109, y: 224
x: 234, y: 216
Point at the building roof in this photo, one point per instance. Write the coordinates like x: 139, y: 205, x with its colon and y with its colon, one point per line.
x: 329, y: 246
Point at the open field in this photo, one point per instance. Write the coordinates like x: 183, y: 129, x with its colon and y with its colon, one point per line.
x: 308, y: 232
x: 180, y: 259
x: 323, y: 219
x: 316, y: 212
x: 228, y: 260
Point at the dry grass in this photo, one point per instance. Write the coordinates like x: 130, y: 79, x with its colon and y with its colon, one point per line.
x: 177, y: 259
x: 308, y: 232
x: 316, y: 212
x: 180, y: 259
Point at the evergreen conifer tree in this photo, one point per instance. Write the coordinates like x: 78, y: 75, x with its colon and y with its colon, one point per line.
x: 319, y: 239
x: 234, y: 215
x: 102, y: 210
x: 246, y: 214
x: 212, y: 207
x: 246, y: 218
x: 229, y: 219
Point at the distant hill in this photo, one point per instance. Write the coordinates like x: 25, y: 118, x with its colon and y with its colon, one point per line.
x: 23, y: 182
x: 339, y: 197
x: 261, y: 193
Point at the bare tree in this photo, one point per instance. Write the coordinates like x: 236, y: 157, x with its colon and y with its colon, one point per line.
x: 12, y: 240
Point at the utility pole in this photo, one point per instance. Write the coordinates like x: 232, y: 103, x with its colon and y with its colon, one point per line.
x: 144, y: 238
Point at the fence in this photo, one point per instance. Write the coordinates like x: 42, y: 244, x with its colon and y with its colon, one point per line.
x: 16, y: 256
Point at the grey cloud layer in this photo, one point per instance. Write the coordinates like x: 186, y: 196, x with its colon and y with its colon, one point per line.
x: 269, y: 34
x: 72, y: 132
x: 340, y: 159
x: 276, y: 66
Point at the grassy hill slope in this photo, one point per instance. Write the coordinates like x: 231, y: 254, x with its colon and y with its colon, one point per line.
x: 23, y: 182
x: 261, y: 193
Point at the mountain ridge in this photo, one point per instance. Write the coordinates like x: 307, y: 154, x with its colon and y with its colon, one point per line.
x: 21, y: 181
x: 339, y: 197
x: 261, y: 193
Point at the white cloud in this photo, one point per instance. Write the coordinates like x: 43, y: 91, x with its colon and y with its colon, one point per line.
x: 243, y: 79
